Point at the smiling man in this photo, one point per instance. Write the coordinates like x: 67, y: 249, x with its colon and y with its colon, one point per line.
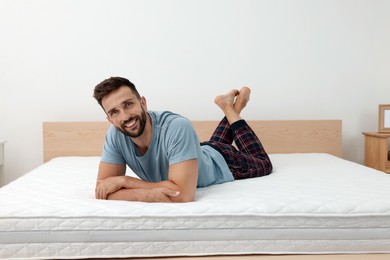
x: 163, y: 149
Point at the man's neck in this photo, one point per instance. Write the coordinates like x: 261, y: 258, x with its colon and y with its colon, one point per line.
x: 144, y: 140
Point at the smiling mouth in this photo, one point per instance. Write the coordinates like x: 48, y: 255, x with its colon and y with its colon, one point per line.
x: 130, y: 123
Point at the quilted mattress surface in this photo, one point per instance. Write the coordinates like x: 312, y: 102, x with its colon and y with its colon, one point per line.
x: 311, y: 203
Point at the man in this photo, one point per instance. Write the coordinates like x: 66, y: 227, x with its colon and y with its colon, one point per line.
x: 163, y: 149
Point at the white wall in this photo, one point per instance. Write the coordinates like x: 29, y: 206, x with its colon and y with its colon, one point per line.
x: 307, y: 59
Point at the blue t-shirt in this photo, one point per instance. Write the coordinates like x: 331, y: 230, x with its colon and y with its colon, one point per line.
x: 174, y: 140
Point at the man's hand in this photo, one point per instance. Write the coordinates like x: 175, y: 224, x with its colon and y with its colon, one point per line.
x: 109, y: 185
x: 161, y: 194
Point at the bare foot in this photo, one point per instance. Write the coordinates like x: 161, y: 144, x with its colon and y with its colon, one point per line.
x: 242, y: 99
x: 226, y: 101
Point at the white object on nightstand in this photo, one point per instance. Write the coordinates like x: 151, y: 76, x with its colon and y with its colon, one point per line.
x: 2, y: 152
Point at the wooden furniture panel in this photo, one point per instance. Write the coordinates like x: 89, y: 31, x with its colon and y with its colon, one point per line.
x: 376, y: 148
x: 73, y: 139
x: 286, y: 136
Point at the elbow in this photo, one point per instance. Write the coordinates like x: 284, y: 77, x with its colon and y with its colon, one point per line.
x: 185, y: 198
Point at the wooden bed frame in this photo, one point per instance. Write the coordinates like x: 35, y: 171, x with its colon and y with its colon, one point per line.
x: 286, y: 136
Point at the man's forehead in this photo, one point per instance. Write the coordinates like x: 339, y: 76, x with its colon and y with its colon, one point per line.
x: 117, y: 97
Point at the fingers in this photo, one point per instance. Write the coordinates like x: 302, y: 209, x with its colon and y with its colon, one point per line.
x: 100, y: 192
x: 171, y: 193
x: 107, y: 186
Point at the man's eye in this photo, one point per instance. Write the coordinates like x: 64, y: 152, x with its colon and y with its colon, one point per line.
x: 128, y: 104
x: 113, y: 113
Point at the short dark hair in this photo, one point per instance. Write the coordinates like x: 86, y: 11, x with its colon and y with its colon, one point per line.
x: 106, y: 86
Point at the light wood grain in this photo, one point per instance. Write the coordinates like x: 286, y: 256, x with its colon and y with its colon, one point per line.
x: 73, y: 138
x: 286, y: 136
x: 376, y: 148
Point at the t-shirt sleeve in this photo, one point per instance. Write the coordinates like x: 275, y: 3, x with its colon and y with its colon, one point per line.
x: 182, y: 141
x: 111, y: 148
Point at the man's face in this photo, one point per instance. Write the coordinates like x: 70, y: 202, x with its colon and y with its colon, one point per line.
x: 125, y: 111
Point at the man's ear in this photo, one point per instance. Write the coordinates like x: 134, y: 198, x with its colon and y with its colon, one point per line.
x: 143, y: 103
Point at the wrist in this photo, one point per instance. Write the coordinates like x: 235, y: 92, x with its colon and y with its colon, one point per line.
x: 123, y: 182
x: 127, y: 182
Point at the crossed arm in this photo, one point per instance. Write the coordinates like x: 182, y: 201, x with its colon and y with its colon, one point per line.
x: 112, y: 184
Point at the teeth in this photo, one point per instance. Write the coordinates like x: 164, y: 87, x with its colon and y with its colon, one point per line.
x: 131, y: 123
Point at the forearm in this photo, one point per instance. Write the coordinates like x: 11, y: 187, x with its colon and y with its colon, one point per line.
x: 129, y: 195
x: 125, y: 194
x: 183, y: 178
x: 135, y: 183
x: 132, y: 189
x: 146, y: 187
x: 180, y: 187
x: 144, y: 195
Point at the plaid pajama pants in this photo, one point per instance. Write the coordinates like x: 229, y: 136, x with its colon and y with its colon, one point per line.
x: 250, y: 159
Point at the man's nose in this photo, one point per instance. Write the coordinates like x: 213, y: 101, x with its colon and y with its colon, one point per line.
x: 124, y: 115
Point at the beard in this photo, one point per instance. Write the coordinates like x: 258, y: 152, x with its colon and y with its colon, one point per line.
x: 138, y: 131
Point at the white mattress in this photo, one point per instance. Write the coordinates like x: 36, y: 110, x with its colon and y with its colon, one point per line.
x: 310, y: 204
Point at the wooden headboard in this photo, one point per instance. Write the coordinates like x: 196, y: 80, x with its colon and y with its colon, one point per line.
x: 285, y: 136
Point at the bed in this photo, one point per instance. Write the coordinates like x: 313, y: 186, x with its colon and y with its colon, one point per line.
x: 313, y: 203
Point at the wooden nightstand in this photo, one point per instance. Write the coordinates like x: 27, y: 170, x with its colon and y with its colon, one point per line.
x: 376, y: 149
